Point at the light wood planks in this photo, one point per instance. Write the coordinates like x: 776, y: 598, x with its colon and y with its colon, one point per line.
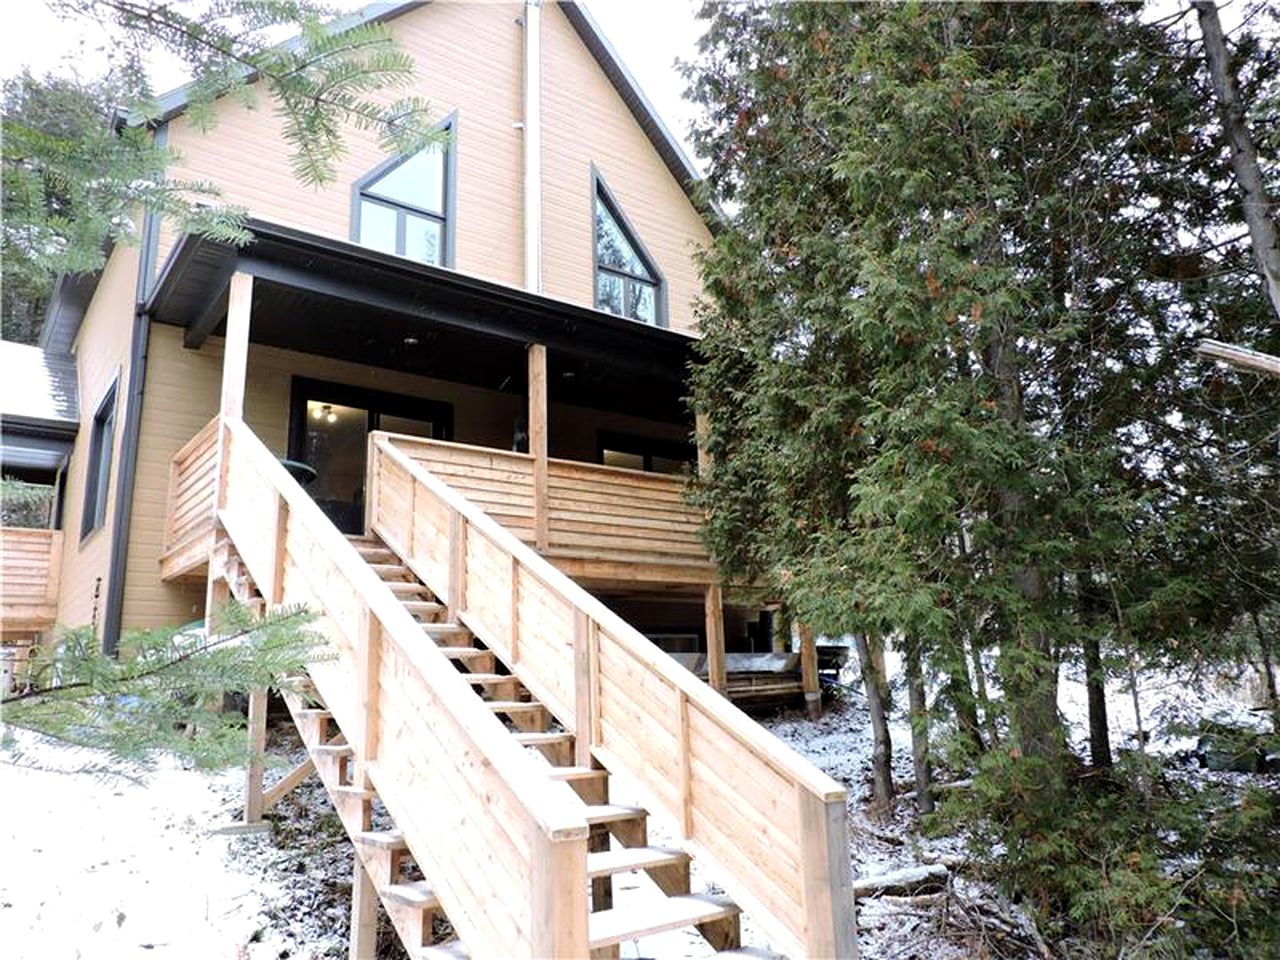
x: 494, y: 836
x: 735, y: 790
x: 30, y: 568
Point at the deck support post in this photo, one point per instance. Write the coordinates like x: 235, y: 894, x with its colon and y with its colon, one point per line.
x: 235, y: 352
x: 254, y: 802
x: 363, y: 944
x: 714, y: 612
x: 826, y: 883
x: 809, y: 671
x: 538, y: 441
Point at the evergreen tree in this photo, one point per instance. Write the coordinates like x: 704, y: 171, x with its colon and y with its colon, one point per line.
x: 948, y: 356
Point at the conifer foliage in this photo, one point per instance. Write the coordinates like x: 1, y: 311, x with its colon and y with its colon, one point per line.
x: 948, y: 359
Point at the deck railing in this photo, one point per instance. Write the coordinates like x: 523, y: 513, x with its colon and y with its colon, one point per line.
x: 772, y: 826
x: 193, y: 481
x: 30, y: 568
x: 593, y: 513
x: 503, y: 846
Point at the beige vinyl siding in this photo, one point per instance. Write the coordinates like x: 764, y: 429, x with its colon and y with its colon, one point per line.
x: 182, y: 396
x: 585, y: 121
x: 468, y: 58
x: 102, y: 356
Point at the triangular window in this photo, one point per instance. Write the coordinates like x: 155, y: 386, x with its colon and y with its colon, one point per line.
x: 627, y: 281
x: 402, y: 206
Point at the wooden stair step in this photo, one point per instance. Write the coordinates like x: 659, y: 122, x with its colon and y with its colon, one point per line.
x: 445, y: 631
x: 387, y: 570
x: 383, y: 839
x: 515, y: 706
x: 534, y: 739
x: 449, y: 950
x: 750, y: 953
x: 407, y: 588
x: 655, y: 915
x: 598, y: 813
x: 465, y: 653
x: 568, y: 774
x: 489, y: 679
x: 624, y: 859
x: 374, y: 553
x: 417, y: 895
x: 353, y: 793
x: 423, y: 608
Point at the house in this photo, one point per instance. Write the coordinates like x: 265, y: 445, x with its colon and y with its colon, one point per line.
x: 441, y: 403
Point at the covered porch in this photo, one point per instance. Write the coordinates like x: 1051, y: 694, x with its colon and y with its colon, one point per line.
x: 566, y: 425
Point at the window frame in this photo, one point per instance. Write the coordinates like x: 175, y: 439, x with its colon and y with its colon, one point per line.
x: 600, y: 193
x: 646, y: 448
x: 97, y: 476
x: 376, y: 402
x: 447, y: 219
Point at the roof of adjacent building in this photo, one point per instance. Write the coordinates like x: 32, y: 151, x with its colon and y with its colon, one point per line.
x: 37, y: 387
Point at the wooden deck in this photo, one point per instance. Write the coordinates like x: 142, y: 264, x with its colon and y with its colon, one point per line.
x: 189, y: 513
x: 30, y: 569
x: 505, y: 847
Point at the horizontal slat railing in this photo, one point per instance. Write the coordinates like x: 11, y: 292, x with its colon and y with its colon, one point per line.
x: 503, y: 846
x: 593, y: 512
x: 30, y: 568
x: 193, y: 483
x: 773, y: 824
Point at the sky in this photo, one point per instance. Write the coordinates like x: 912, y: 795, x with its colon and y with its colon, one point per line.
x: 649, y: 35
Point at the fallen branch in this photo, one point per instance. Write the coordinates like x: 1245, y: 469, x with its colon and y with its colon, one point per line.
x: 926, y: 878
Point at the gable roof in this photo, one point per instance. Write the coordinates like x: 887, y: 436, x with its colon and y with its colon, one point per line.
x: 668, y: 147
x: 38, y: 387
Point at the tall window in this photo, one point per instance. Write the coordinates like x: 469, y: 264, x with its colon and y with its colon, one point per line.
x: 98, y: 472
x: 402, y: 206
x: 627, y: 281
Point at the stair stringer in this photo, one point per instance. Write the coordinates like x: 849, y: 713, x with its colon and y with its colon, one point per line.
x: 490, y: 812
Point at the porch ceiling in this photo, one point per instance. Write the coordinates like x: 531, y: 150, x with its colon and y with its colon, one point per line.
x: 336, y: 299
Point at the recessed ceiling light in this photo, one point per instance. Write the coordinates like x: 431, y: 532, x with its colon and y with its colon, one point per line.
x: 411, y: 341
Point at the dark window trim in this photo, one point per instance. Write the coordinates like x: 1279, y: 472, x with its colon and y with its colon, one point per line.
x: 449, y: 219
x: 646, y: 447
x: 97, y: 487
x: 600, y: 193
x: 377, y: 402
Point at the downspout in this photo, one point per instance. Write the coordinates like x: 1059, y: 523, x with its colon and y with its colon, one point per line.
x: 125, y: 479
x: 533, y: 145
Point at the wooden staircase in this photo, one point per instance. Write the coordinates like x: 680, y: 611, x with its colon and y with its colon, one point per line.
x: 481, y: 701
x: 619, y: 834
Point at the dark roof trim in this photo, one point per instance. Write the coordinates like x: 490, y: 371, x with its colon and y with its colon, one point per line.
x: 668, y: 147
x: 329, y: 267
x: 175, y: 101
x: 72, y: 294
x: 22, y: 426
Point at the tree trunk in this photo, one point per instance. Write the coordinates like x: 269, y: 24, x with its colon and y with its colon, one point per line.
x: 871, y: 659
x: 1268, y: 669
x: 1244, y: 153
x: 980, y: 683
x: 919, y: 726
x: 960, y: 693
x: 1095, y: 684
x: 1095, y: 674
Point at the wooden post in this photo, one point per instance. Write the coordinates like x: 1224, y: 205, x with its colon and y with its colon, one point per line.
x: 368, y: 669
x: 514, y: 638
x: 275, y: 590
x: 363, y: 944
x: 583, y: 628
x: 686, y: 766
x: 235, y: 352
x: 253, y: 800
x: 826, y: 885
x: 457, y: 600
x: 809, y: 671
x: 538, y: 441
x: 714, y: 611
x: 701, y: 427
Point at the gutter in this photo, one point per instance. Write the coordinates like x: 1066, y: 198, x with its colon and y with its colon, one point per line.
x: 127, y: 476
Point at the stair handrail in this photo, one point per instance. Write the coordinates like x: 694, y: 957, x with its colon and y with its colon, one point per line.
x: 557, y: 902
x: 822, y: 923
